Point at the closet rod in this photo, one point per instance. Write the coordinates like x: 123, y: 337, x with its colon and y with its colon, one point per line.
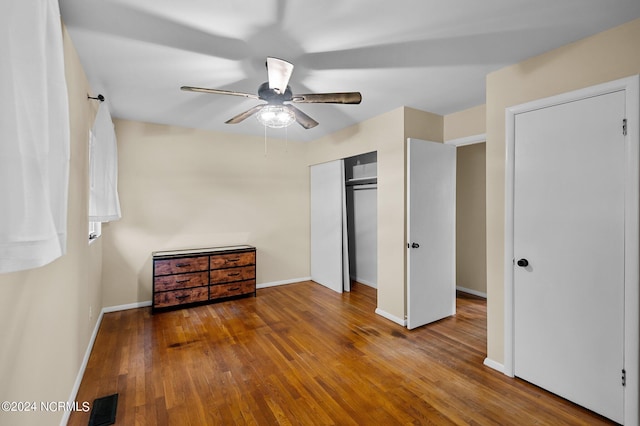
x: 364, y: 186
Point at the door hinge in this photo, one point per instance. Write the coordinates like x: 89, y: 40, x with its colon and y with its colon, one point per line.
x: 624, y: 377
x: 624, y: 127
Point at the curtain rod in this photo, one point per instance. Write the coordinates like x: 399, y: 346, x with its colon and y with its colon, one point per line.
x: 98, y: 98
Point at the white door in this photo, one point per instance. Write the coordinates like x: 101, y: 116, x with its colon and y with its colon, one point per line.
x: 327, y: 225
x: 569, y: 211
x: 431, y: 228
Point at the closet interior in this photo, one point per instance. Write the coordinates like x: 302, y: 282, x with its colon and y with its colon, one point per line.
x: 361, y: 180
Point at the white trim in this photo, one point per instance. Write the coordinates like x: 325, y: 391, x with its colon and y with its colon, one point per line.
x: 83, y: 367
x: 135, y: 305
x: 508, y: 242
x: 493, y: 364
x: 283, y: 282
x: 632, y: 254
x: 471, y: 291
x: 391, y: 317
x: 468, y: 140
x: 631, y: 85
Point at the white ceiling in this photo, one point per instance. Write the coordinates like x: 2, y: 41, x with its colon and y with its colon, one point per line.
x: 431, y: 55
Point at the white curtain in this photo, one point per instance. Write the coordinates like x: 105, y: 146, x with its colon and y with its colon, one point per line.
x: 104, y: 205
x: 34, y: 135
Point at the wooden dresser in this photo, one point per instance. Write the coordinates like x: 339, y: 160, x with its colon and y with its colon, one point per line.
x: 195, y: 276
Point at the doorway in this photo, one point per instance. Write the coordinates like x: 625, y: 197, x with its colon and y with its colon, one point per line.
x: 471, y: 239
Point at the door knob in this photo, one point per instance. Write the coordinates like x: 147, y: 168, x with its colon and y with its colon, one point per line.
x: 415, y: 245
x: 523, y: 263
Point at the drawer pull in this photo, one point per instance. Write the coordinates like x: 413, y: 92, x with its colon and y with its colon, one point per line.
x: 184, y: 296
x: 234, y: 289
x: 234, y: 274
x: 182, y: 265
x: 183, y: 281
x: 232, y: 260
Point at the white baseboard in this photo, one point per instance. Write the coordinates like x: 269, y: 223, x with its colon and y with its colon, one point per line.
x: 83, y: 367
x: 470, y: 291
x: 365, y: 282
x: 283, y: 282
x: 391, y: 317
x: 493, y: 364
x: 135, y: 305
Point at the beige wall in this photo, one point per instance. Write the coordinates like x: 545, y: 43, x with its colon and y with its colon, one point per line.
x: 423, y: 125
x: 604, y: 57
x: 469, y: 122
x: 387, y: 135
x: 182, y: 188
x: 44, y: 312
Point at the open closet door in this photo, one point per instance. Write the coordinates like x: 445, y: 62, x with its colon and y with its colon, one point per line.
x: 329, y: 257
x: 431, y: 232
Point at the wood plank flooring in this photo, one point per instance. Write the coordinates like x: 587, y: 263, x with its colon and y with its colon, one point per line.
x: 301, y: 354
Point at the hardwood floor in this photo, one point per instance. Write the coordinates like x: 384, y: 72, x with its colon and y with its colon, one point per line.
x: 302, y: 354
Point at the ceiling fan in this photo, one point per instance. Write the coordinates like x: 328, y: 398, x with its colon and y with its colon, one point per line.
x: 278, y: 110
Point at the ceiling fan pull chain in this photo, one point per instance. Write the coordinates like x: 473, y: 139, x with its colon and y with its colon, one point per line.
x: 265, y: 141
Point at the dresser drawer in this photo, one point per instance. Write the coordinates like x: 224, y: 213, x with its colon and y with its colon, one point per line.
x: 179, y: 297
x: 220, y: 276
x: 180, y: 265
x: 234, y: 289
x: 175, y: 282
x: 232, y: 259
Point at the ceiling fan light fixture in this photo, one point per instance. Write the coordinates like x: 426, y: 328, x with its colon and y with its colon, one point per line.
x: 276, y: 116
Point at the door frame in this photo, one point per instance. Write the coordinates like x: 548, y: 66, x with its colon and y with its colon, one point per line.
x: 631, y: 86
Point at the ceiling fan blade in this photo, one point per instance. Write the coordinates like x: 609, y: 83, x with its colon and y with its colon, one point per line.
x: 303, y: 119
x: 279, y: 72
x: 329, y: 98
x: 244, y: 115
x: 217, y: 92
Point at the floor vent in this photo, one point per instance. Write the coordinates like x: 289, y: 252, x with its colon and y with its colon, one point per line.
x: 104, y: 409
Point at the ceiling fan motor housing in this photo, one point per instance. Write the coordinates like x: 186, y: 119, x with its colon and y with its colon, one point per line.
x: 271, y: 96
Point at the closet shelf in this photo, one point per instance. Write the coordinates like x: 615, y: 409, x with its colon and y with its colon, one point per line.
x: 361, y: 181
